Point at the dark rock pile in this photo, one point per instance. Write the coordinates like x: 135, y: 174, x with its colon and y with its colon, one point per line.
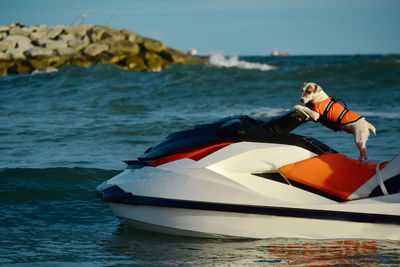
x: 26, y: 49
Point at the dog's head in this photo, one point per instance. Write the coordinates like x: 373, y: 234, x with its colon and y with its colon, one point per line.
x: 310, y: 92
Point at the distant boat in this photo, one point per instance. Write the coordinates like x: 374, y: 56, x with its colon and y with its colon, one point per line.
x: 192, y: 52
x: 276, y: 53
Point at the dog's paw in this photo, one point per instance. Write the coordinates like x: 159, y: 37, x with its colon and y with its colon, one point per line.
x: 315, y: 116
x: 363, y: 154
x: 298, y: 107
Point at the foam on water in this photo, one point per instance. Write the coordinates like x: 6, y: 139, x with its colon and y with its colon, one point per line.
x: 220, y: 60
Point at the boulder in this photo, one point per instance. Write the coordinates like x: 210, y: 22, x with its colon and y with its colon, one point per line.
x: 125, y: 47
x: 16, y: 53
x: 38, y: 52
x: 3, y: 35
x: 96, y: 49
x: 5, y: 45
x: 55, y: 61
x: 111, y: 36
x: 5, y: 66
x: 34, y: 36
x: 133, y: 63
x: 79, y: 43
x: 4, y: 28
x: 3, y: 71
x: 110, y: 58
x: 36, y: 33
x: 41, y: 63
x: 20, y: 31
x: 78, y: 30
x: 38, y: 63
x: 178, y: 57
x: 153, y: 45
x: 132, y: 36
x: 4, y: 56
x: 96, y: 33
x: 52, y: 44
x: 67, y: 37
x: 54, y: 31
x: 174, y: 56
x: 23, y: 67
x: 155, y: 62
x: 66, y: 52
x: 24, y: 45
x: 16, y: 41
x: 82, y: 61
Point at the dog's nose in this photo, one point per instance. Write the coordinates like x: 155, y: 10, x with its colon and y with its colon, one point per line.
x: 302, y: 100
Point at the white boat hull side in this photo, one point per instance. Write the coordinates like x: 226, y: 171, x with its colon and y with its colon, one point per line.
x: 190, y: 222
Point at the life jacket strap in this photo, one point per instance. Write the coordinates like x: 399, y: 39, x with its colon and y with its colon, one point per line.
x: 339, y: 120
x: 328, y: 107
x: 340, y: 100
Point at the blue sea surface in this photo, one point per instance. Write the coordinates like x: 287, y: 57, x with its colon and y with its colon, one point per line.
x: 63, y: 133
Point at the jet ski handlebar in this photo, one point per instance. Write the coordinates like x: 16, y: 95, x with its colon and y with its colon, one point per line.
x: 286, y: 122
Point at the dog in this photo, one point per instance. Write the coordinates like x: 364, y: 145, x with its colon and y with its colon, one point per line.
x: 320, y: 107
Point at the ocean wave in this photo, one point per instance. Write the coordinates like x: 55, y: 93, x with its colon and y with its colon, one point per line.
x: 233, y: 61
x: 383, y: 115
x: 24, y: 184
x: 55, y: 173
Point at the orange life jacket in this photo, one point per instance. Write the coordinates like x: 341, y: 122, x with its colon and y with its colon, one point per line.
x: 333, y: 114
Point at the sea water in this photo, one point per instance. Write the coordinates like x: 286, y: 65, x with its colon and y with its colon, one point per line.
x: 63, y: 133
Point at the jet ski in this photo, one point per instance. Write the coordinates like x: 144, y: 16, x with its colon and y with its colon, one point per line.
x: 246, y: 178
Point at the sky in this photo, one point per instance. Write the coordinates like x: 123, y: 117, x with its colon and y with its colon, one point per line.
x: 233, y: 27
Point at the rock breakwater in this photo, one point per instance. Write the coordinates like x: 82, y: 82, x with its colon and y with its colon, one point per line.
x: 26, y: 49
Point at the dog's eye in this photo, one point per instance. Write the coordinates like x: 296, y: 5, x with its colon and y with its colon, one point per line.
x: 309, y: 90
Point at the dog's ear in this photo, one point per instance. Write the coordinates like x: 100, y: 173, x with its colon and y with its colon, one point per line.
x: 316, y: 88
x: 312, y: 87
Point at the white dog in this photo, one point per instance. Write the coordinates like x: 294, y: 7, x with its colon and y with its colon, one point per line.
x: 320, y: 107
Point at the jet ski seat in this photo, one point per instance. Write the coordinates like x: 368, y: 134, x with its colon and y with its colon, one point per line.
x: 344, y: 177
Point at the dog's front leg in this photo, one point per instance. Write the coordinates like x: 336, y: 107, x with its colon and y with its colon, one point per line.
x: 314, y: 115
x: 361, y: 142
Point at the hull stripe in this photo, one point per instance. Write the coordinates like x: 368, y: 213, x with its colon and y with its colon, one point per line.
x: 115, y: 194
